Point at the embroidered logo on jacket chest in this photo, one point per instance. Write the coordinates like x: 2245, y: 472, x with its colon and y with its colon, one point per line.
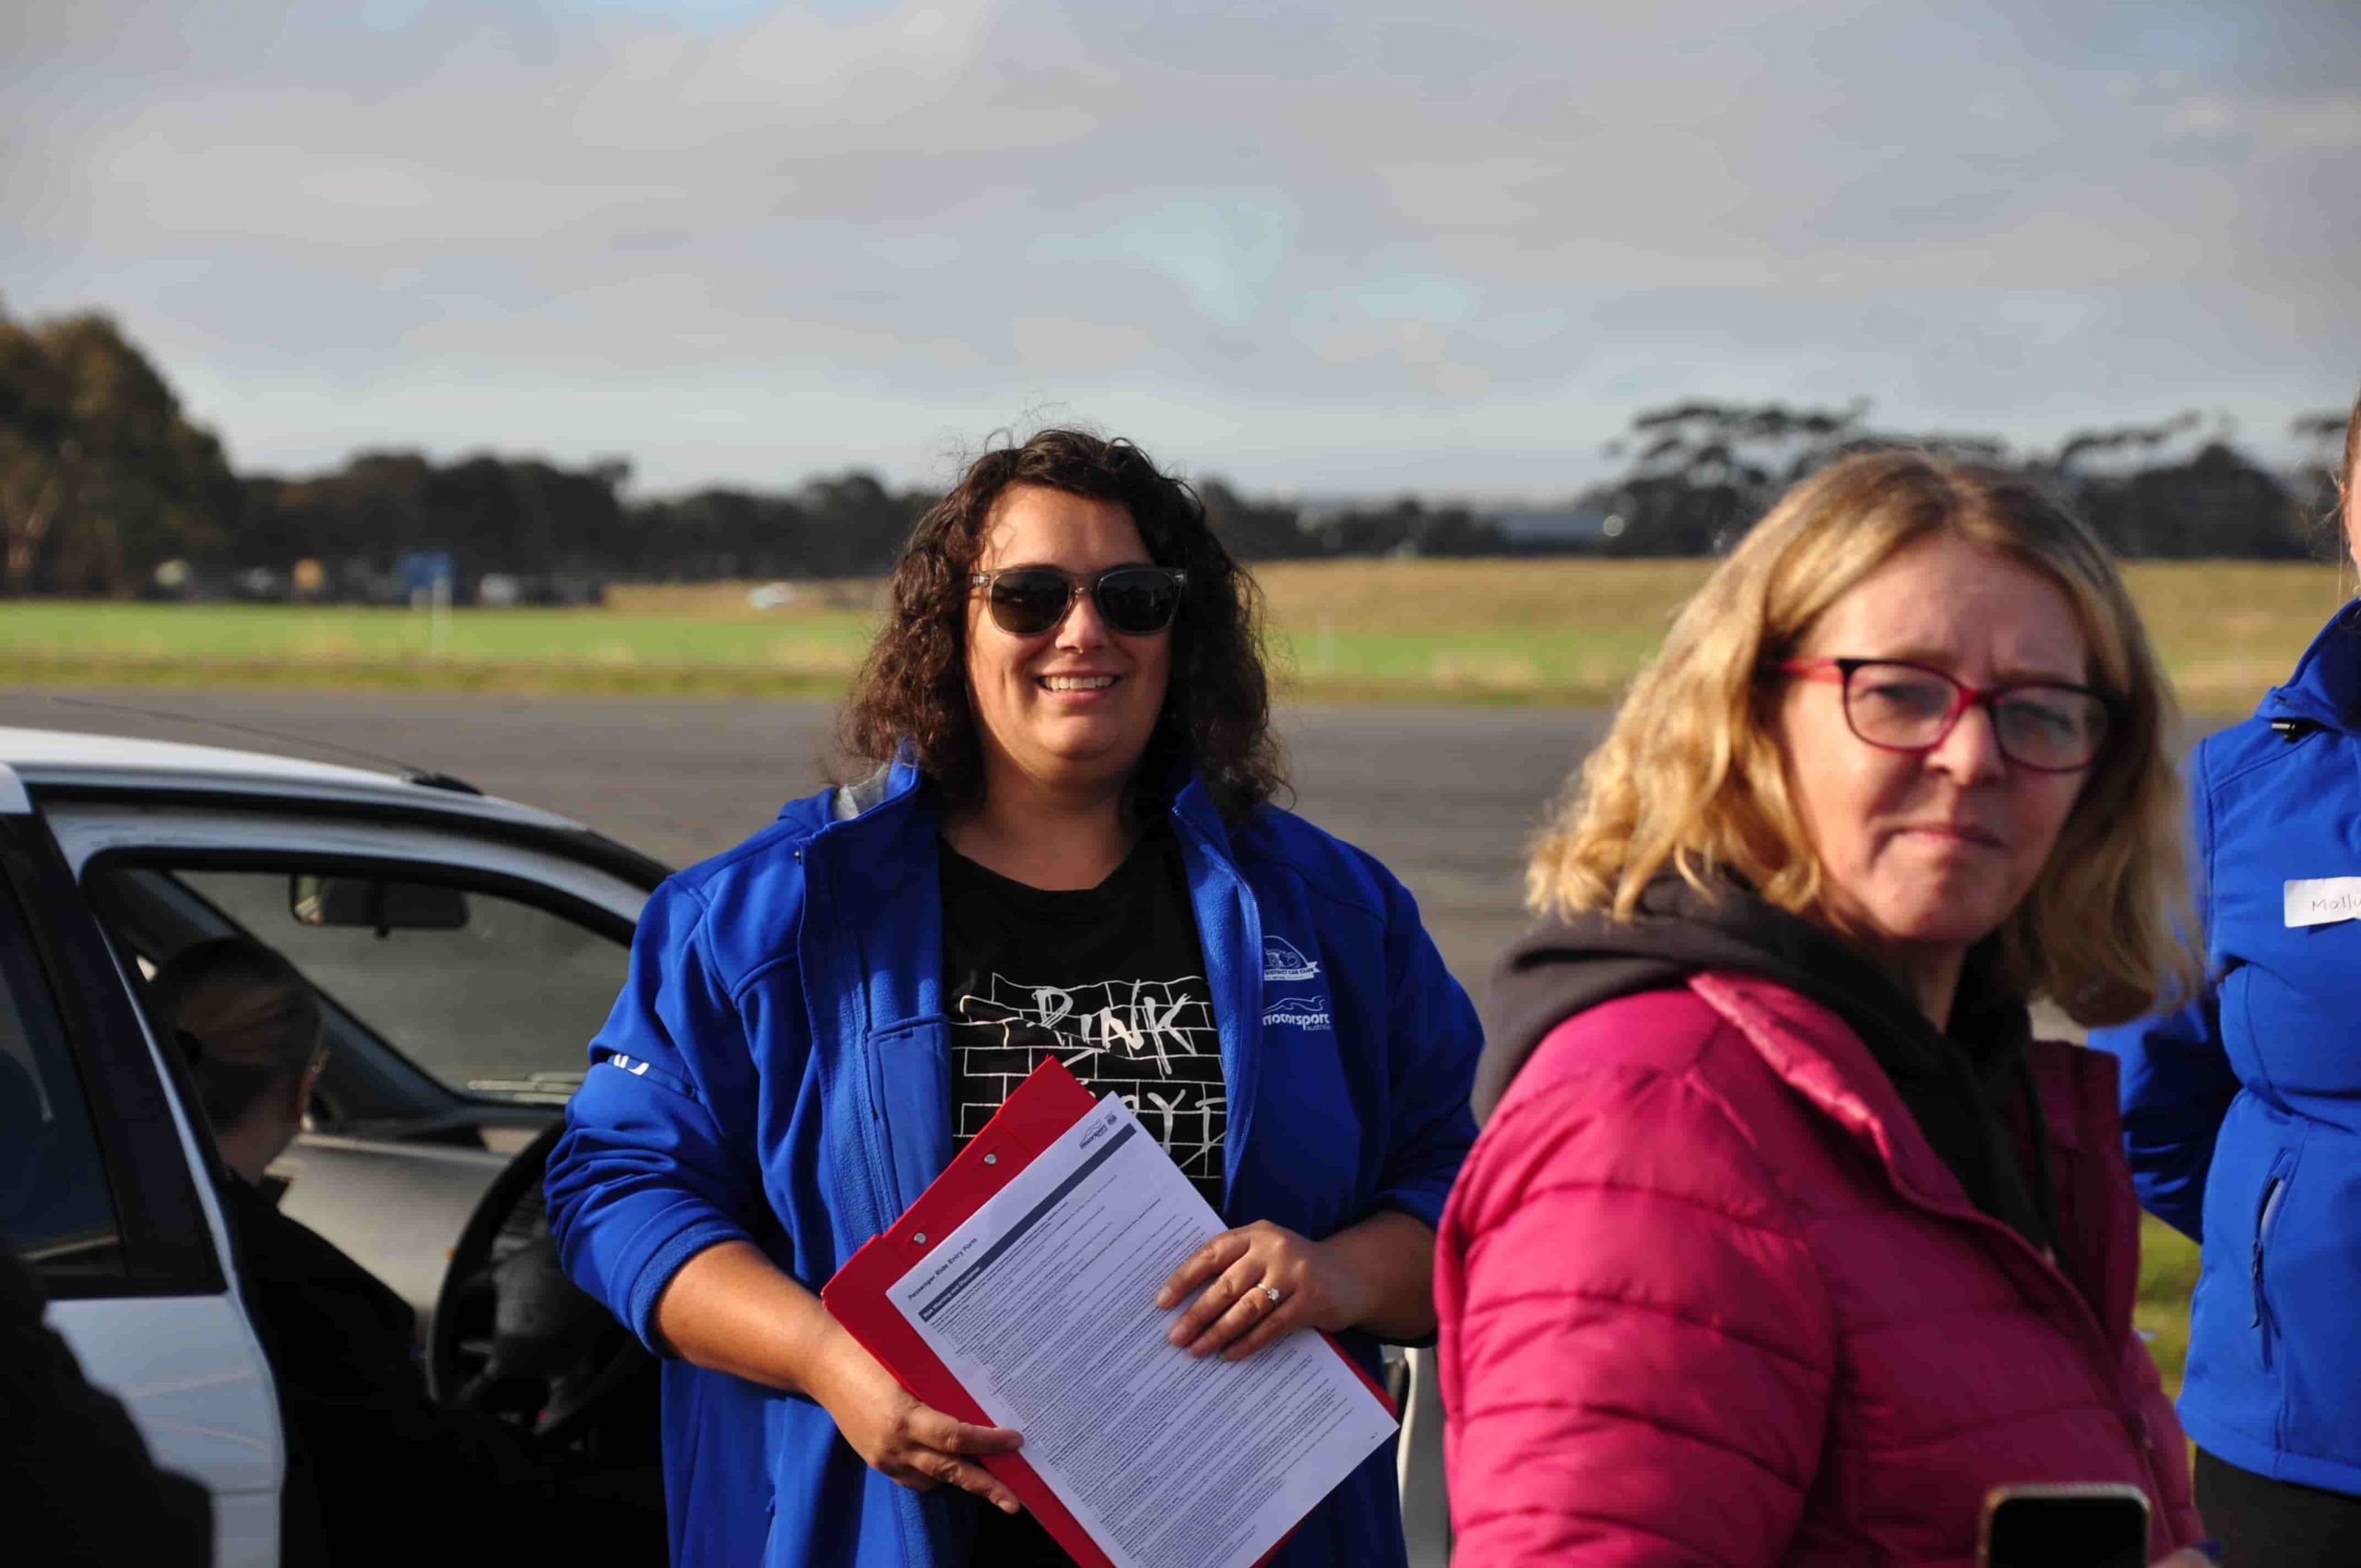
x: 1281, y: 961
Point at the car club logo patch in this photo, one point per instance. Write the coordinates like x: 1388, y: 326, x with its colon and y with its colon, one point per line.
x: 1282, y: 962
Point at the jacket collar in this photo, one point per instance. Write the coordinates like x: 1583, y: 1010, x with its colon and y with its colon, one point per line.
x: 887, y: 823
x: 2326, y: 686
x: 893, y: 781
x: 1194, y: 807
x: 1815, y: 1055
x: 1821, y: 1057
x: 892, y: 792
x: 887, y: 814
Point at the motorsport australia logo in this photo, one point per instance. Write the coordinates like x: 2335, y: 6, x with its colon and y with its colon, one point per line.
x: 1282, y: 962
x: 1297, y: 1012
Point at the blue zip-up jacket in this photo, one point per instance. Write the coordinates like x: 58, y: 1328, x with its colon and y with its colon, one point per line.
x: 2242, y: 1110
x: 777, y: 1070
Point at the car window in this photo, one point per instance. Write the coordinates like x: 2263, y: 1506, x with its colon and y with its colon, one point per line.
x: 490, y: 994
x: 57, y: 1209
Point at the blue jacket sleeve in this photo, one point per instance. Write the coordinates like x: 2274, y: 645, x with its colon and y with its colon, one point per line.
x: 2176, y: 1088
x: 649, y: 1173
x: 2177, y: 1079
x: 1433, y: 1040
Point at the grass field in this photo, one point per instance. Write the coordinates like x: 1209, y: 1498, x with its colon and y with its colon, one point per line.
x: 2167, y: 1275
x: 1557, y: 632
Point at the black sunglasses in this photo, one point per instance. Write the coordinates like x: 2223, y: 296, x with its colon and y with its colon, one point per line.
x: 1028, y: 601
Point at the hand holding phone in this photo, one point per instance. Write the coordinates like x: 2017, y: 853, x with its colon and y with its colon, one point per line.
x: 2102, y: 1524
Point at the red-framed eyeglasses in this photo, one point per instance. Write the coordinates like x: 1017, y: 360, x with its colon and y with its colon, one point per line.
x: 2049, y: 726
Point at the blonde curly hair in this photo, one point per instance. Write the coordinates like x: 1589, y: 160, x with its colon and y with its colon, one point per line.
x: 1690, y: 775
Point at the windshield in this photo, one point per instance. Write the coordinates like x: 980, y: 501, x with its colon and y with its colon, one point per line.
x: 492, y: 997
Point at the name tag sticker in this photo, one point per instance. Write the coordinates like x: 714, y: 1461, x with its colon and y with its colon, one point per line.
x: 2323, y: 900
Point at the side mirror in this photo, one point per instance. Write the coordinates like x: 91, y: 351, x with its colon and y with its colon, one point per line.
x: 382, y: 906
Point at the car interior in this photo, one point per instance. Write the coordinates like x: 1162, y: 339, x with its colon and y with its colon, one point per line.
x: 455, y: 1009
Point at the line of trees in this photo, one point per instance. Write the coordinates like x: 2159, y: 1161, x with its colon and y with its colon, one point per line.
x: 2178, y: 489
x: 100, y: 474
x: 108, y: 487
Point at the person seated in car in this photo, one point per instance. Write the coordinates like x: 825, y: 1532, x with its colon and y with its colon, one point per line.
x: 363, y: 1433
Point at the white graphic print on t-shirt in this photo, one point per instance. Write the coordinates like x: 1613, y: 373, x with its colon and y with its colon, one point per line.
x: 1152, y: 1041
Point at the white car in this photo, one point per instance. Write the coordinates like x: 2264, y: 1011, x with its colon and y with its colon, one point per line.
x: 464, y: 947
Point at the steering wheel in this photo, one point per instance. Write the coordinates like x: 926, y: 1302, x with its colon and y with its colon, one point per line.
x: 511, y: 1334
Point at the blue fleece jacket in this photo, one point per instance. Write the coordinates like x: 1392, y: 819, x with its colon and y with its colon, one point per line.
x: 777, y: 1070
x: 2242, y: 1110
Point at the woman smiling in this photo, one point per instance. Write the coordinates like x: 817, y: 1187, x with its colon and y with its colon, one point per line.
x: 1068, y: 850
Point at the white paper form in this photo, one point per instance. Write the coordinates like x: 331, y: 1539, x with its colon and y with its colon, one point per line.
x: 1043, y: 1305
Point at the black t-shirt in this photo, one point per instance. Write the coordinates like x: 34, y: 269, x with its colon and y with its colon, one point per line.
x: 1110, y: 978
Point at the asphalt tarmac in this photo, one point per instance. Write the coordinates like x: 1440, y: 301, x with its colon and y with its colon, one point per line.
x: 1445, y: 797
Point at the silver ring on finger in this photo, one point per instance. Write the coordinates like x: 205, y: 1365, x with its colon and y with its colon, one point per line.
x: 1271, y: 1293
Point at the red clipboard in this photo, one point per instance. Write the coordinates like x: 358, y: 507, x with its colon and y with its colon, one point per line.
x: 1036, y: 1114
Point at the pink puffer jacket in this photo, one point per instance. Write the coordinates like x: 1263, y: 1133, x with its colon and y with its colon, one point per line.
x: 1708, y: 1297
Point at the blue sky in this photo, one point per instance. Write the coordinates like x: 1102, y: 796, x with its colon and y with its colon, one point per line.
x: 1334, y: 249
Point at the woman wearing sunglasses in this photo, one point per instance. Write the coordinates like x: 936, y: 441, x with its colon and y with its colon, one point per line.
x: 2240, y: 1107
x: 1783, y: 1242
x: 1069, y: 851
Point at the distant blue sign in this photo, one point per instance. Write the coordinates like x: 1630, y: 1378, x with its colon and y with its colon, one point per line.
x: 422, y: 569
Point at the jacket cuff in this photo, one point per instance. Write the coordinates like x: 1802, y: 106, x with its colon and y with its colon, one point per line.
x: 1422, y: 1204
x: 665, y: 1260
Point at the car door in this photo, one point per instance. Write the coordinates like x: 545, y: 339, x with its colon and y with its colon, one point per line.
x: 102, y: 1194
x: 455, y: 1031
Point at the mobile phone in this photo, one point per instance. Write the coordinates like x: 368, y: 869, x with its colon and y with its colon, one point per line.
x: 2102, y: 1524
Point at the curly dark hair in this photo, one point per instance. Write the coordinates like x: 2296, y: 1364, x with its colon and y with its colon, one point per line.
x: 913, y: 687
